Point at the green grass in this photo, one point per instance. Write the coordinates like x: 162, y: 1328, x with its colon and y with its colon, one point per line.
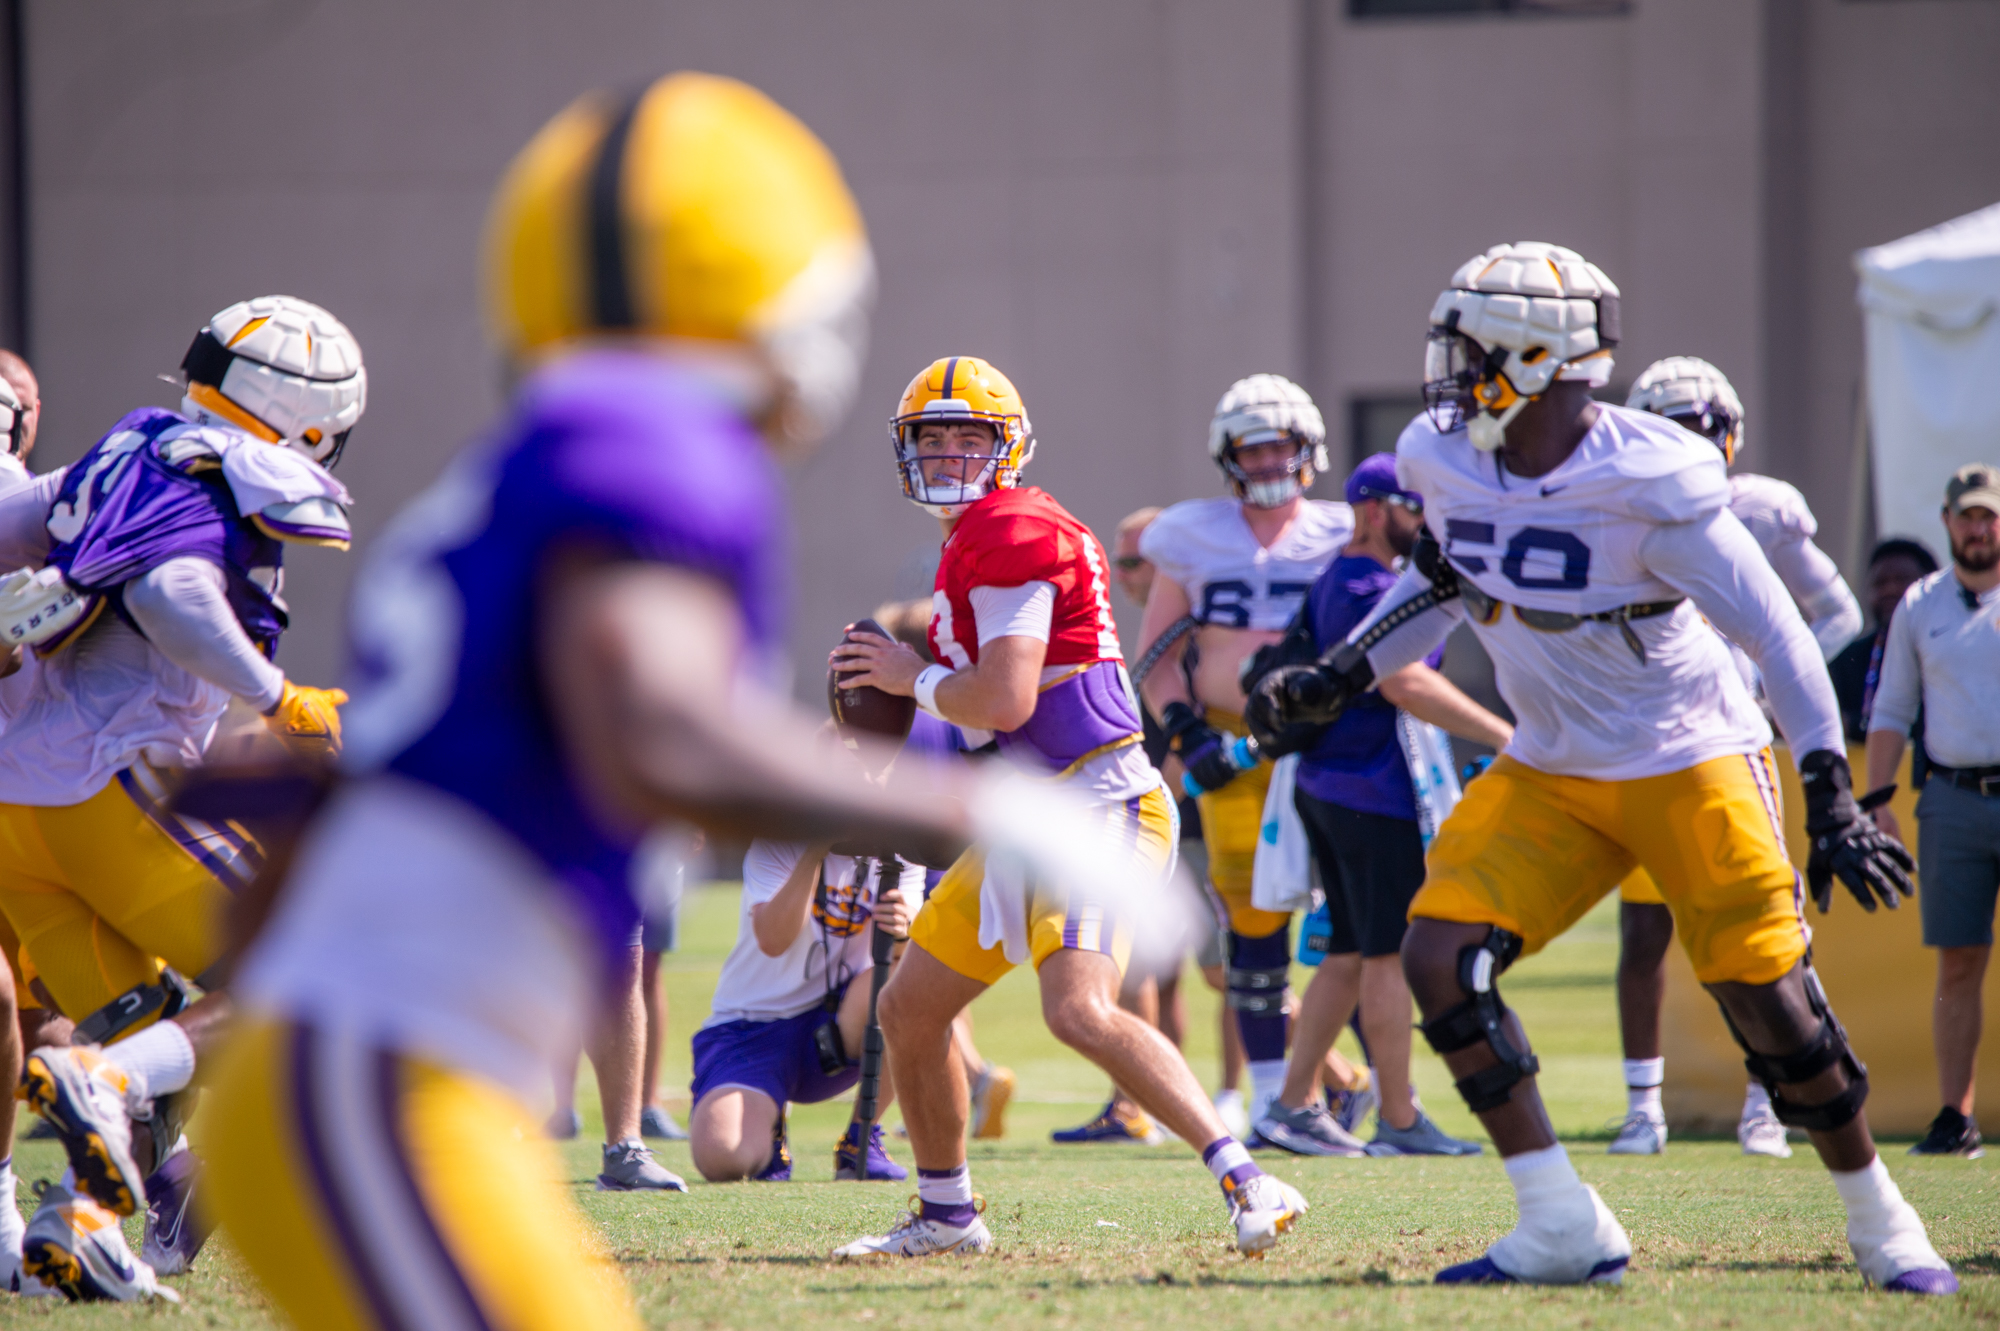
x: 1136, y: 1236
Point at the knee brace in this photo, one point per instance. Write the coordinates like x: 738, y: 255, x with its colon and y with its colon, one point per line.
x: 1259, y: 972
x: 133, y: 1006
x: 1827, y: 1047
x: 1478, y: 1018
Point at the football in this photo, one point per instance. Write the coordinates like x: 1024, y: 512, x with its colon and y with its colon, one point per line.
x: 866, y: 709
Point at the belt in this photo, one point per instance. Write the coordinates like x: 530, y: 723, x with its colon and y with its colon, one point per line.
x: 1984, y: 780
x: 1486, y: 609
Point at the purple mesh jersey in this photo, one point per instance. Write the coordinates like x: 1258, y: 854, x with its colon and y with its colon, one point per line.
x: 125, y: 508
x: 608, y: 452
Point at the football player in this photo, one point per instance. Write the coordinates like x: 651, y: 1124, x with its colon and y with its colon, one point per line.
x: 1231, y: 573
x: 563, y: 641
x: 1693, y: 393
x: 1587, y: 544
x: 159, y: 599
x: 1027, y: 653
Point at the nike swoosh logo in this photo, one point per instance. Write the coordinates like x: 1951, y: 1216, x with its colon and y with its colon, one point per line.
x: 1548, y: 490
x: 1939, y: 633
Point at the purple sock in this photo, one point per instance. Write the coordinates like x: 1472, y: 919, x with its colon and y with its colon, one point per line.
x: 945, y: 1195
x: 1231, y: 1164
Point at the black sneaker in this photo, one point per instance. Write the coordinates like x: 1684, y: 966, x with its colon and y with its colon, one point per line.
x: 1952, y: 1133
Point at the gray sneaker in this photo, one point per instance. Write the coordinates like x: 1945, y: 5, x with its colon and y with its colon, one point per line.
x: 1308, y: 1131
x: 629, y: 1166
x: 1422, y: 1137
x: 657, y: 1122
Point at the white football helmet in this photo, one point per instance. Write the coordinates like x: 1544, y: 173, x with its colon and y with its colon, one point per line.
x: 283, y: 369
x: 1513, y: 321
x: 1264, y: 409
x: 1690, y: 392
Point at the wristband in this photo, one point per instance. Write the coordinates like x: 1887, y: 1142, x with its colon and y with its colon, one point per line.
x: 926, y: 689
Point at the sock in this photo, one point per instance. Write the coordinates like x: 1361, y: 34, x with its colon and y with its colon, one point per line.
x: 10, y: 1215
x: 159, y: 1060
x: 1544, y: 1182
x: 1756, y: 1100
x: 1870, y: 1195
x: 945, y: 1195
x: 1267, y: 1079
x: 1250, y: 961
x: 1642, y: 1086
x: 1231, y: 1164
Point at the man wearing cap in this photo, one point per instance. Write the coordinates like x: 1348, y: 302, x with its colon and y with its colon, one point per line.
x: 1359, y: 807
x: 1943, y: 653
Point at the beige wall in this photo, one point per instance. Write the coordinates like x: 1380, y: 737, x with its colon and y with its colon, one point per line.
x: 1105, y: 198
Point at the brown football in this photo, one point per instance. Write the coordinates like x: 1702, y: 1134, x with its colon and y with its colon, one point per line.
x: 867, y: 709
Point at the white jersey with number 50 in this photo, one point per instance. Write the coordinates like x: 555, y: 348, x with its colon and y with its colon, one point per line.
x: 1206, y: 547
x: 1607, y: 528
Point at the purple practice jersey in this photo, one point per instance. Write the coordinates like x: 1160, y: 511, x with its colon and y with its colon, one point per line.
x: 151, y: 490
x: 606, y: 452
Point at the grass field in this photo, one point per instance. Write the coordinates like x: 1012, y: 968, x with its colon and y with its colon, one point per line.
x: 1097, y: 1236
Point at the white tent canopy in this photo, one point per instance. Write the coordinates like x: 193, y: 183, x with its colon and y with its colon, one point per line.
x: 1931, y: 304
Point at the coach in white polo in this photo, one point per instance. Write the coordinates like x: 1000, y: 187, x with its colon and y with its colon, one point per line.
x: 1944, y: 653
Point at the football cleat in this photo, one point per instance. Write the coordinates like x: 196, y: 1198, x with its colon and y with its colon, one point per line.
x: 1588, y: 1246
x: 84, y: 1095
x: 992, y: 1088
x: 75, y: 1246
x: 1308, y: 1131
x: 1117, y: 1123
x: 657, y: 1122
x: 914, y: 1236
x: 1423, y: 1137
x: 1896, y: 1254
x: 852, y: 1164
x: 778, y: 1169
x: 1760, y: 1133
x: 629, y: 1166
x: 175, y: 1231
x: 1261, y: 1210
x: 1951, y: 1133
x: 1639, y: 1134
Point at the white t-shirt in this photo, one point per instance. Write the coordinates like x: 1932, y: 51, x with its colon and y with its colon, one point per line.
x: 1637, y: 513
x: 755, y: 987
x: 1944, y: 655
x: 1206, y: 547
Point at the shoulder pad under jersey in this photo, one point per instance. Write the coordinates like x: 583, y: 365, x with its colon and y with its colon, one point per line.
x: 1772, y: 509
x: 286, y: 494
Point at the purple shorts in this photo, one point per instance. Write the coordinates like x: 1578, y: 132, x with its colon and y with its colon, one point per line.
x: 778, y: 1058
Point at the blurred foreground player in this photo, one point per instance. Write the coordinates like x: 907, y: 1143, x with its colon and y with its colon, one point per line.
x: 558, y: 644
x: 1026, y: 653
x: 1586, y: 544
x: 158, y: 599
x: 1692, y: 393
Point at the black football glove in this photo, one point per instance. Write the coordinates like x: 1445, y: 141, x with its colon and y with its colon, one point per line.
x: 1198, y: 745
x: 1846, y: 842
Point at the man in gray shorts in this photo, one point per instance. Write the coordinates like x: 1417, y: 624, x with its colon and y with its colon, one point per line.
x: 1944, y: 653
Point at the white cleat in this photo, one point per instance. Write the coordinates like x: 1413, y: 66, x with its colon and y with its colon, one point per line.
x: 1585, y: 1246
x: 1261, y: 1210
x: 915, y: 1236
x: 84, y: 1097
x: 1640, y: 1134
x: 1897, y: 1255
x: 1760, y: 1133
x: 76, y: 1246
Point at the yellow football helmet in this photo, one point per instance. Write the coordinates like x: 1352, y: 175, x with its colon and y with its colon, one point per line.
x: 961, y: 388
x: 698, y: 212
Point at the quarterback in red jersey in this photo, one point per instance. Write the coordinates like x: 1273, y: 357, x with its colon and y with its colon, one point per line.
x: 1028, y: 659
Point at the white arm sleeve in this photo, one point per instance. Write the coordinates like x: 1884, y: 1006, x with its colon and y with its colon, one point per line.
x: 183, y: 610
x: 1900, y: 690
x: 24, y: 522
x: 1413, y: 641
x: 1815, y: 583
x: 1026, y: 611
x: 1718, y: 565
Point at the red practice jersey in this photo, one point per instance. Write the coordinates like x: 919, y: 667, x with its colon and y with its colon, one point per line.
x: 1017, y: 536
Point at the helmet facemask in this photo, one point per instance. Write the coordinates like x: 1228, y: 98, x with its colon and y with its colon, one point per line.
x: 1270, y: 491
x: 1713, y: 421
x: 998, y: 465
